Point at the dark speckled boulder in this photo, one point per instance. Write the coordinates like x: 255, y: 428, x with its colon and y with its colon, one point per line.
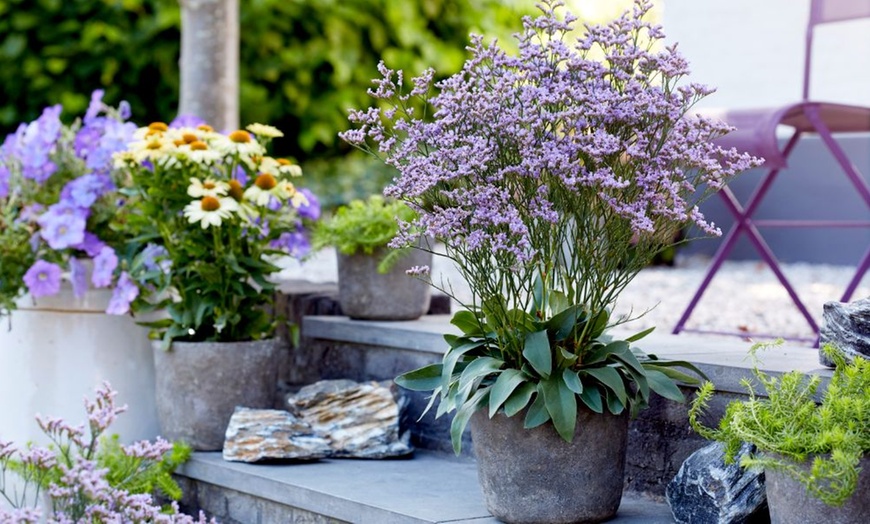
x: 847, y: 326
x: 708, y: 491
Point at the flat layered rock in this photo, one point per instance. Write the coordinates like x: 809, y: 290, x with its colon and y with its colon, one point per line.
x: 259, y: 434
x: 360, y: 420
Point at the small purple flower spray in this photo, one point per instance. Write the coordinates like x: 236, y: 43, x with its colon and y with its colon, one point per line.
x: 552, y: 177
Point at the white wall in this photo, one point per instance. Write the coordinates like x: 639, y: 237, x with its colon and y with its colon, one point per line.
x: 752, y: 51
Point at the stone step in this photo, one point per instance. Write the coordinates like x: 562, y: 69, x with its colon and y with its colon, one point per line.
x: 429, y: 488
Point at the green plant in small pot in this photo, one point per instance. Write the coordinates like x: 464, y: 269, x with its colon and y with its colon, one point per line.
x: 814, y: 453
x: 551, y: 178
x: 373, y: 283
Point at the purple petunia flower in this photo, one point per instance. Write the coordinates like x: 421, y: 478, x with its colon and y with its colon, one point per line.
x: 155, y: 257
x: 43, y: 279
x: 186, y: 121
x: 104, y: 266
x: 91, y: 244
x: 296, y: 244
x: 311, y: 210
x: 61, y: 232
x: 4, y: 179
x: 95, y: 107
x: 78, y: 277
x: 124, y: 293
x: 85, y: 190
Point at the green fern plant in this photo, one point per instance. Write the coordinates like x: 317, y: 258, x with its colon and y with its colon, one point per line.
x: 364, y: 226
x: 789, y: 427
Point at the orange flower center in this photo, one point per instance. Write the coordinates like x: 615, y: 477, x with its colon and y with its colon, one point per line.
x: 198, y: 145
x: 178, y: 142
x: 208, y: 185
x: 240, y: 137
x: 189, y: 138
x: 236, y: 190
x: 210, y: 203
x: 158, y: 126
x: 205, y: 127
x: 154, y: 145
x: 265, y: 181
x: 284, y: 162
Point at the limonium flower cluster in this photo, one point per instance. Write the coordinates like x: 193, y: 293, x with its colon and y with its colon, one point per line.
x: 213, y: 210
x: 574, y: 161
x: 56, y: 201
x: 74, y: 477
x: 552, y: 177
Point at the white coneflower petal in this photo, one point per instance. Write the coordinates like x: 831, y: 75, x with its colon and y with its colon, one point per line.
x: 265, y: 130
x: 209, y: 187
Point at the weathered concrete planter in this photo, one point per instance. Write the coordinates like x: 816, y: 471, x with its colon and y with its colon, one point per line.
x: 199, y: 384
x: 534, y: 476
x: 368, y: 295
x: 58, y: 350
x: 789, y: 501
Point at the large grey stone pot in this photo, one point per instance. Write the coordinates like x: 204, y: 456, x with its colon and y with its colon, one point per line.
x: 789, y: 501
x: 199, y: 385
x: 534, y: 476
x: 365, y: 294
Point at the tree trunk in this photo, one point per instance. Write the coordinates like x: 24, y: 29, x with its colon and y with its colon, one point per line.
x: 210, y: 61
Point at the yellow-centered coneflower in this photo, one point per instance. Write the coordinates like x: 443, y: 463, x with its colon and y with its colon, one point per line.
x: 240, y: 137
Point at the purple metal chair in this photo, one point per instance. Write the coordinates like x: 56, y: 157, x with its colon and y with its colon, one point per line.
x: 756, y: 134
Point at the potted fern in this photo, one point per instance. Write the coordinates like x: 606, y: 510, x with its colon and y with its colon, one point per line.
x: 814, y: 454
x: 372, y: 279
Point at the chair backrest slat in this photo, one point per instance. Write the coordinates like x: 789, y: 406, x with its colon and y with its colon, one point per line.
x: 827, y: 11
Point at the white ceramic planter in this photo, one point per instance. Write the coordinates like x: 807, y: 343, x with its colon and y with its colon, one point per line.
x: 58, y: 350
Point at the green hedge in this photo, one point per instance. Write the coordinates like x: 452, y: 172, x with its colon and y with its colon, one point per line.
x: 303, y: 62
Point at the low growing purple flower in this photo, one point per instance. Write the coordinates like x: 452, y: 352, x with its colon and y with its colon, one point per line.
x: 296, y: 244
x: 186, y: 120
x: 90, y: 244
x: 61, y: 231
x: 86, y: 189
x: 43, y: 279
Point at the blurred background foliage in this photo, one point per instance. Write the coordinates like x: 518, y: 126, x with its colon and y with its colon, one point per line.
x: 304, y: 63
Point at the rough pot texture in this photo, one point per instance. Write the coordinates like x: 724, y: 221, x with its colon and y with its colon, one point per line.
x: 533, y: 475
x: 199, y: 385
x: 366, y: 294
x: 790, y: 502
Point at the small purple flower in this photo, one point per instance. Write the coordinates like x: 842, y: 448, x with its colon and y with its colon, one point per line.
x: 104, y: 266
x: 186, y: 121
x: 311, y: 210
x: 63, y: 232
x: 4, y: 179
x: 124, y: 293
x: 274, y: 204
x: 155, y: 257
x: 78, y: 275
x: 296, y: 244
x: 95, y: 107
x: 241, y: 175
x: 85, y: 190
x: 43, y: 279
x: 90, y: 245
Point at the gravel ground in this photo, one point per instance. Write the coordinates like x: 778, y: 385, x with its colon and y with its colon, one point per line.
x: 744, y: 296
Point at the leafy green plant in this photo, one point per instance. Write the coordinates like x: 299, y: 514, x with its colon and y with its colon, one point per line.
x: 364, y: 226
x: 789, y: 427
x: 546, y: 375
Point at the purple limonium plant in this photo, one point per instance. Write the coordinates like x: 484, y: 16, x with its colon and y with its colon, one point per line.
x: 551, y: 178
x: 85, y: 475
x: 57, y: 198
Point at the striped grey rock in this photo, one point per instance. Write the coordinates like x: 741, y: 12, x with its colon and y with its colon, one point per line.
x: 260, y: 434
x: 708, y: 491
x: 846, y: 326
x: 360, y: 420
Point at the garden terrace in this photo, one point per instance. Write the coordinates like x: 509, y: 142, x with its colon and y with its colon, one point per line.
x: 415, y: 490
